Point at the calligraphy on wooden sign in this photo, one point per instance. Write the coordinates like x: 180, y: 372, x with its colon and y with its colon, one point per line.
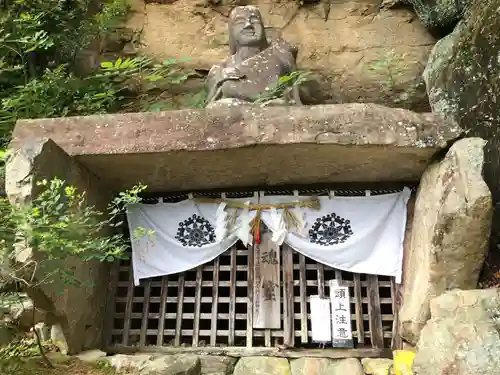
x: 341, y: 315
x: 267, y: 292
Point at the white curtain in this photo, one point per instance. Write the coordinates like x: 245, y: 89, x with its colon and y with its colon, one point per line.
x: 354, y: 234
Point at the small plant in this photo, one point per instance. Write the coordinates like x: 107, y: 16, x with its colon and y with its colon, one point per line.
x: 283, y: 88
x: 22, y: 348
x: 40, y: 75
x: 58, y: 225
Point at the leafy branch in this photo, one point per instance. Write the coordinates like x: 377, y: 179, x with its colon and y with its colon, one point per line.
x: 283, y: 88
x: 38, y: 239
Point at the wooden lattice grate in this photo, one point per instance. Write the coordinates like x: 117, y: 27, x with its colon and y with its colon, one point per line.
x: 199, y: 308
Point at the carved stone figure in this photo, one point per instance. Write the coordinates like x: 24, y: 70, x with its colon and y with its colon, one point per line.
x: 255, y: 63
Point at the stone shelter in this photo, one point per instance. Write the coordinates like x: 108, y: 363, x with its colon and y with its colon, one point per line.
x: 349, y: 149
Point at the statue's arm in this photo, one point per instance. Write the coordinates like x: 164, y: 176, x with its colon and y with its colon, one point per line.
x: 288, y: 55
x: 295, y: 93
x: 213, y: 83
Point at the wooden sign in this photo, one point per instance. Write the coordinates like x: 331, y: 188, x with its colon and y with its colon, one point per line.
x: 320, y: 319
x: 267, y: 291
x: 341, y: 316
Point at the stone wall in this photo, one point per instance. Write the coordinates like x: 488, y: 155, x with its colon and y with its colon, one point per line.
x: 79, y: 309
x: 190, y: 364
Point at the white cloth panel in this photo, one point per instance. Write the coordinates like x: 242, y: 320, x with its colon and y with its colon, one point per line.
x: 365, y: 236
x: 163, y: 254
x: 354, y: 234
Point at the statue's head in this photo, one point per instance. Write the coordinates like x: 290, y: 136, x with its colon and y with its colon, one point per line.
x: 246, y: 28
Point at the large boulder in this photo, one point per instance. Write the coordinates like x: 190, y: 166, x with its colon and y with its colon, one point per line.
x: 463, y: 70
x: 358, y: 50
x: 78, y: 309
x: 439, y: 14
x: 451, y: 227
x: 462, y: 337
x: 439, y: 58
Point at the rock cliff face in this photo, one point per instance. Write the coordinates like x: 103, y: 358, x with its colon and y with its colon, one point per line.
x: 463, y: 82
x: 359, y: 50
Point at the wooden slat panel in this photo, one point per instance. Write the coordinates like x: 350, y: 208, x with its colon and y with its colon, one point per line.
x: 321, y: 280
x: 309, y: 267
x: 387, y: 301
x: 271, y: 337
x: 397, y: 341
x: 242, y: 283
x: 375, y: 320
x: 145, y: 312
x: 222, y: 332
x: 197, y: 307
x: 267, y: 338
x: 360, y: 330
x: 215, y: 304
x: 303, y: 299
x: 232, y: 297
x: 163, y: 310
x: 128, y: 309
x: 267, y: 293
x: 288, y: 310
x: 338, y: 276
x: 249, y: 316
x: 180, y: 302
x: 223, y: 316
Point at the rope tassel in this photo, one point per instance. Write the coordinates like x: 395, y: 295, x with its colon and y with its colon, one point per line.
x: 256, y: 229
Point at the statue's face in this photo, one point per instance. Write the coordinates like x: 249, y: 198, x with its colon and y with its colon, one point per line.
x: 246, y: 26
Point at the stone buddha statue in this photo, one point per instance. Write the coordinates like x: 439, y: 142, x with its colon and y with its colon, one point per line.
x: 255, y: 63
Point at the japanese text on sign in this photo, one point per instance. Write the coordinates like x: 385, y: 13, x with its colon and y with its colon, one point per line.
x: 341, y: 312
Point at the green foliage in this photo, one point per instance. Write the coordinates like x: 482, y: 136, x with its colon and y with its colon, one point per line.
x: 110, y: 88
x: 23, y: 347
x: 40, y: 42
x: 284, y: 87
x: 59, y: 225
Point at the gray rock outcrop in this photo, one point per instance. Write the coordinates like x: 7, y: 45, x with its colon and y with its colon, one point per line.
x: 450, y: 232
x: 462, y: 337
x: 463, y: 76
x: 436, y: 14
